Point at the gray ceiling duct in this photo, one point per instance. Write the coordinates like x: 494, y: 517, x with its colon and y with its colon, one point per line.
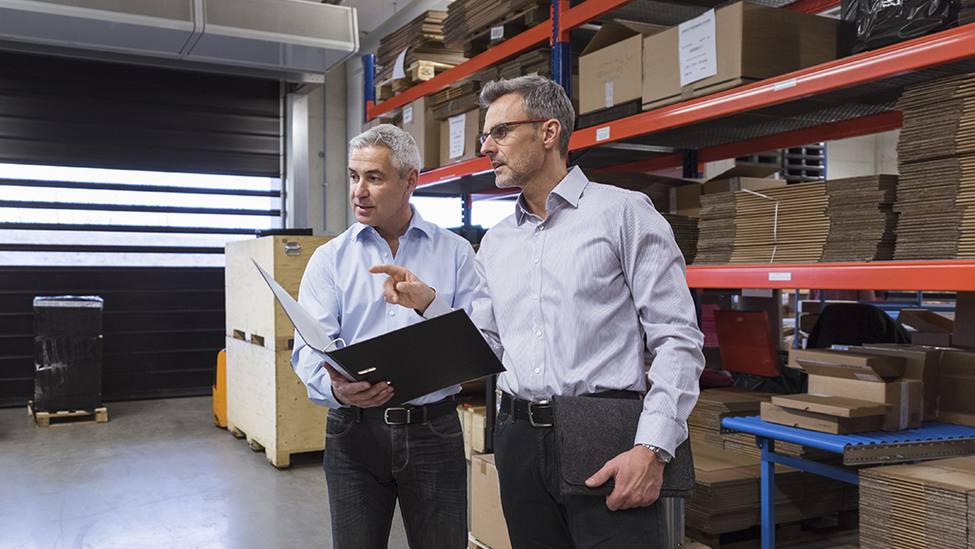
x: 292, y: 36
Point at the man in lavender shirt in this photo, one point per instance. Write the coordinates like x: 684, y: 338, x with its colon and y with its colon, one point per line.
x: 573, y: 287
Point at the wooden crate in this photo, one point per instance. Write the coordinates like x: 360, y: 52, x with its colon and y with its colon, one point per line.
x: 253, y: 314
x: 266, y: 401
x: 268, y: 405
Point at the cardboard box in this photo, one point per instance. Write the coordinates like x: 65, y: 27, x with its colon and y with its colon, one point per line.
x: 377, y: 121
x: 904, y: 397
x: 819, y: 422
x: 752, y: 43
x: 964, y: 333
x: 956, y: 382
x: 487, y: 519
x: 847, y: 364
x: 463, y: 144
x: 612, y: 65
x: 919, y: 363
x: 932, y: 328
x: 418, y: 121
x: 830, y: 405
x: 739, y: 178
x: 686, y: 199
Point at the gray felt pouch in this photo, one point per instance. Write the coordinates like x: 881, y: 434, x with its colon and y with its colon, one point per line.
x: 591, y: 431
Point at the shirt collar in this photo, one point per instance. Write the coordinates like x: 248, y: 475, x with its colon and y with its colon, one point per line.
x: 417, y: 223
x: 569, y: 190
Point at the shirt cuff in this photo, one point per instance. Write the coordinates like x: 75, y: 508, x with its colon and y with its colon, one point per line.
x: 437, y: 307
x: 660, y: 431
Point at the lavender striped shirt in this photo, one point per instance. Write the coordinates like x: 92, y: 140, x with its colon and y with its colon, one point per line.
x: 567, y: 301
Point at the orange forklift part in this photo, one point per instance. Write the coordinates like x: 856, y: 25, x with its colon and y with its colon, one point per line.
x: 220, y: 391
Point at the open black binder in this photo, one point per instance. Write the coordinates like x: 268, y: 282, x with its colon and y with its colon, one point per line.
x: 417, y: 360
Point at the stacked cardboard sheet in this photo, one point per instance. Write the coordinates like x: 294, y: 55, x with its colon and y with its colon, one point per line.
x: 423, y: 40
x: 778, y: 225
x: 936, y: 158
x: 685, y: 233
x: 727, y: 492
x: 861, y: 218
x: 921, y: 505
x: 716, y: 229
x: 533, y: 62
x: 468, y: 17
x: 713, y: 405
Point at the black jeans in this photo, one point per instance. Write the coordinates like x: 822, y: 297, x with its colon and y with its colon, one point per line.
x: 369, y: 465
x: 539, y: 518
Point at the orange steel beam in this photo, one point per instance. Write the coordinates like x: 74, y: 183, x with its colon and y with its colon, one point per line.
x: 937, y: 49
x: 587, y: 12
x: 454, y: 171
x: 812, y: 6
x: 949, y: 276
x: 531, y: 37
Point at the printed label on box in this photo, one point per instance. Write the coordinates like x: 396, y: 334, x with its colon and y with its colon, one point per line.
x: 698, y: 50
x: 407, y: 115
x: 497, y: 32
x: 457, y: 135
x: 609, y: 94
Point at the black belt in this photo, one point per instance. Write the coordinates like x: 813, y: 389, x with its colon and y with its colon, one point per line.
x: 542, y: 413
x: 405, y: 415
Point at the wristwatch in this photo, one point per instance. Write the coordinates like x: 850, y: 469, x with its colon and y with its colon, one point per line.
x: 662, y: 455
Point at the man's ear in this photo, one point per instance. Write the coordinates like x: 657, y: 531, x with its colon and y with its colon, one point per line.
x: 551, y: 131
x: 412, y: 179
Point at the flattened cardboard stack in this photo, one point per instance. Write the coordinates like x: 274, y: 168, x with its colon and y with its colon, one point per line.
x: 423, y: 40
x: 727, y: 493
x: 783, y: 225
x: 861, y: 218
x: 716, y: 229
x: 685, y: 233
x: 533, y: 62
x: 468, y: 17
x: 930, y: 504
x: 936, y: 160
x: 713, y: 405
x: 778, y: 225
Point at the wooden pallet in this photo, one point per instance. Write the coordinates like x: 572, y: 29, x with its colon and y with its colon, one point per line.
x: 74, y: 417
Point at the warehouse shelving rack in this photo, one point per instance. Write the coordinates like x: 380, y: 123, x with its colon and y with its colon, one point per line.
x: 848, y: 97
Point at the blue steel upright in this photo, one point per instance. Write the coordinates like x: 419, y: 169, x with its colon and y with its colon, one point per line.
x: 561, y: 54
x: 368, y: 75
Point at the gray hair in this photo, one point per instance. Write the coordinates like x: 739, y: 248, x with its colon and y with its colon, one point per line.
x: 541, y: 98
x: 405, y: 155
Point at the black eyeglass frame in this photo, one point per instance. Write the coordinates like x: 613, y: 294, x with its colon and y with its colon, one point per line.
x: 504, y: 126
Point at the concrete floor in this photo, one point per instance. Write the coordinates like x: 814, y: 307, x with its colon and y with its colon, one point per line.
x: 159, y: 474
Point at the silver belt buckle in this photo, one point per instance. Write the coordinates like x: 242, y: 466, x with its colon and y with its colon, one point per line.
x: 531, y: 414
x: 386, y: 416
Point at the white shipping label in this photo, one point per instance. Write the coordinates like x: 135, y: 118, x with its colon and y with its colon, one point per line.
x: 602, y: 134
x: 780, y: 276
x: 457, y: 124
x: 698, y: 50
x: 609, y: 94
x: 407, y: 115
x: 497, y: 32
x: 399, y: 70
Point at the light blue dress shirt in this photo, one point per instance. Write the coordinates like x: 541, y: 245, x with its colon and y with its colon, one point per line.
x: 338, y: 290
x: 567, y: 302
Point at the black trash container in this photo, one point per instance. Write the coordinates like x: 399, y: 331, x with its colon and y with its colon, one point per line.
x: 67, y: 353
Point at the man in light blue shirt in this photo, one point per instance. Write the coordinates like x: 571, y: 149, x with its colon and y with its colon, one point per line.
x: 375, y: 454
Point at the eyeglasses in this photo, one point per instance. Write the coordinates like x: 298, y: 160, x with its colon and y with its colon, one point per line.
x: 499, y: 132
